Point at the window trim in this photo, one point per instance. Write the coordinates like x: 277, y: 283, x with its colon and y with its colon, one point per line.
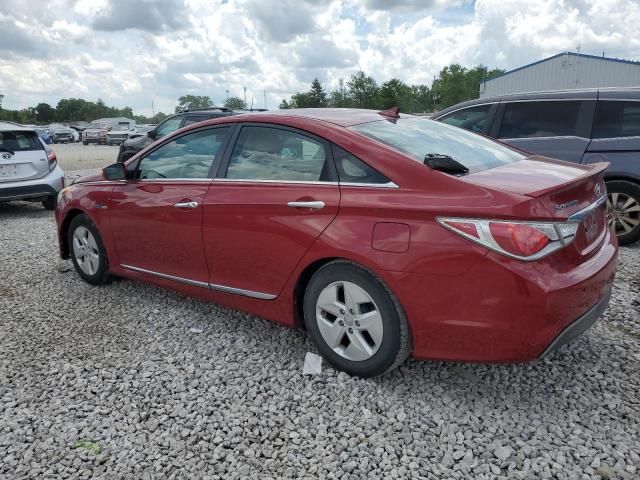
x: 233, y: 140
x: 169, y: 138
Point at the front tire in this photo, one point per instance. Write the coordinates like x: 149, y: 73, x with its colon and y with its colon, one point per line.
x: 355, y: 320
x: 87, y: 251
x: 623, y: 210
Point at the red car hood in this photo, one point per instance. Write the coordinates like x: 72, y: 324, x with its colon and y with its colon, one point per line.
x: 96, y: 177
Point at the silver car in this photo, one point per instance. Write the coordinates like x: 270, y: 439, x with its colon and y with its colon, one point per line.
x: 28, y: 168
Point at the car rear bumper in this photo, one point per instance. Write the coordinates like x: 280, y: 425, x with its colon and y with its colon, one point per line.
x: 46, y: 186
x: 501, y: 311
x: 579, y: 326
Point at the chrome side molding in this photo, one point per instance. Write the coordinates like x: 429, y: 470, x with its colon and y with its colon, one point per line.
x: 579, y: 215
x: 196, y: 283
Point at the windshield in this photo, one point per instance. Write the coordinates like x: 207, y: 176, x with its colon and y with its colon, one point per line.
x: 419, y: 137
x: 96, y: 125
x: 19, y: 141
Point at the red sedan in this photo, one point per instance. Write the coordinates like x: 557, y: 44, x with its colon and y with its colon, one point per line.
x: 383, y: 234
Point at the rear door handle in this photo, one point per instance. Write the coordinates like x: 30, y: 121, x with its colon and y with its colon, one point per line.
x: 315, y: 205
x: 186, y: 205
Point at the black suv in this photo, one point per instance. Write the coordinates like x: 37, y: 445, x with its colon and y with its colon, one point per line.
x: 170, y: 124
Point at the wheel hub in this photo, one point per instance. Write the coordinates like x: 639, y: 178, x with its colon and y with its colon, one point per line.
x: 349, y: 321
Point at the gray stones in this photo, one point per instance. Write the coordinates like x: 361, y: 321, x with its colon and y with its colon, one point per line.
x: 120, y: 366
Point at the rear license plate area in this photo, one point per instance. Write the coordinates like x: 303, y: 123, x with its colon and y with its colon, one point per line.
x: 8, y: 171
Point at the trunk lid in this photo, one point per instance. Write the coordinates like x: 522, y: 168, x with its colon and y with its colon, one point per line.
x: 566, y: 190
x: 22, y: 156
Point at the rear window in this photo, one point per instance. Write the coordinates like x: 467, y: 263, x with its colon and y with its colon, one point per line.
x: 419, y: 137
x: 616, y: 119
x: 540, y: 119
x: 19, y: 141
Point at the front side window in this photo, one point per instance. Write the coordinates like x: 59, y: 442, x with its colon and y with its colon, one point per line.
x: 168, y: 126
x: 540, y: 119
x: 616, y: 119
x: 419, y: 137
x: 472, y: 118
x: 195, y: 119
x: 265, y: 153
x: 188, y: 156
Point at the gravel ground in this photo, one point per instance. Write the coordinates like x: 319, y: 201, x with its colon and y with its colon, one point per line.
x: 132, y: 381
x: 76, y: 156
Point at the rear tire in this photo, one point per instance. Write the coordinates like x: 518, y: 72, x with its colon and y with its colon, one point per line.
x: 50, y: 203
x: 623, y: 210
x: 87, y: 251
x: 85, y: 143
x: 355, y: 321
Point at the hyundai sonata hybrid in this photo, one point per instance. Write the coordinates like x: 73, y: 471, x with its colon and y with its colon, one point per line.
x: 382, y: 234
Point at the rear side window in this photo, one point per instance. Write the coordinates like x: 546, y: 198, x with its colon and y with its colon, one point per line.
x: 472, y: 118
x: 354, y: 170
x: 617, y: 119
x: 19, y: 141
x: 264, y: 153
x: 540, y: 119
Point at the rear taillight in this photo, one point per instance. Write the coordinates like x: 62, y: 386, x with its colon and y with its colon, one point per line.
x: 521, y: 240
x: 53, y: 160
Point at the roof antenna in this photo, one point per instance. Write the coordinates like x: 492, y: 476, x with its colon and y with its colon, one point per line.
x: 393, y: 112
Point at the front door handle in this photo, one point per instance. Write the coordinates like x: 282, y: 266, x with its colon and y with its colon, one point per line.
x: 186, y: 205
x: 315, y: 205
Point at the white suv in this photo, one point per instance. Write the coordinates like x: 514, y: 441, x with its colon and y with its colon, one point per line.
x: 28, y: 168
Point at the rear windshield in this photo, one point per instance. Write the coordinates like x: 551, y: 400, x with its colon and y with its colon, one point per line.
x: 19, y: 141
x: 418, y: 137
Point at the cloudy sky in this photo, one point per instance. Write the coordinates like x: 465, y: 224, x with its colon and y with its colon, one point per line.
x: 133, y: 52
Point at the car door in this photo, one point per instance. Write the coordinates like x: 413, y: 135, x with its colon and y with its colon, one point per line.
x: 275, y: 193
x: 553, y: 128
x: 156, y: 216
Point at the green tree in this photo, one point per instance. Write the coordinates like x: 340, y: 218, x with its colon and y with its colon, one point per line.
x: 363, y: 90
x: 45, y: 113
x: 457, y: 84
x: 235, y: 103
x: 317, y: 95
x: 193, y: 101
x: 284, y: 105
x: 396, y: 93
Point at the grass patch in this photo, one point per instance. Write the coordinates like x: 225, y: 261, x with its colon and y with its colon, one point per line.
x: 92, y: 447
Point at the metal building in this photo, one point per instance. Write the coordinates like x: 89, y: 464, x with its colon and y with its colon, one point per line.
x: 565, y: 71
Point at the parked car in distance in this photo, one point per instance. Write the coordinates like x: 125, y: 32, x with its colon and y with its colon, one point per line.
x: 45, y: 134
x: 582, y: 126
x: 65, y: 135
x: 29, y: 168
x: 96, y: 133
x: 169, y: 125
x: 141, y: 130
x: 119, y: 133
x: 361, y: 226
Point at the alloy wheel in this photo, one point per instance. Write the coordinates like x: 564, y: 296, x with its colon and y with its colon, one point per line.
x: 349, y: 321
x: 623, y: 212
x: 85, y: 250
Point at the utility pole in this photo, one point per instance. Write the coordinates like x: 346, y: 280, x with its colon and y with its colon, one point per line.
x: 264, y: 92
x: 577, y: 65
x: 153, y: 111
x: 227, y: 94
x: 245, y: 97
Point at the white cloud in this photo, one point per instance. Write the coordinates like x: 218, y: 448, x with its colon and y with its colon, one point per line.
x: 133, y: 52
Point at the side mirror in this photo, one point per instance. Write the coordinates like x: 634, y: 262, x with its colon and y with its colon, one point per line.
x: 115, y: 171
x: 151, y: 134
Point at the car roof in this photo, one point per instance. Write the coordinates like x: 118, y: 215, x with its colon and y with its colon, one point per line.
x: 568, y: 94
x: 11, y: 126
x: 344, y: 117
